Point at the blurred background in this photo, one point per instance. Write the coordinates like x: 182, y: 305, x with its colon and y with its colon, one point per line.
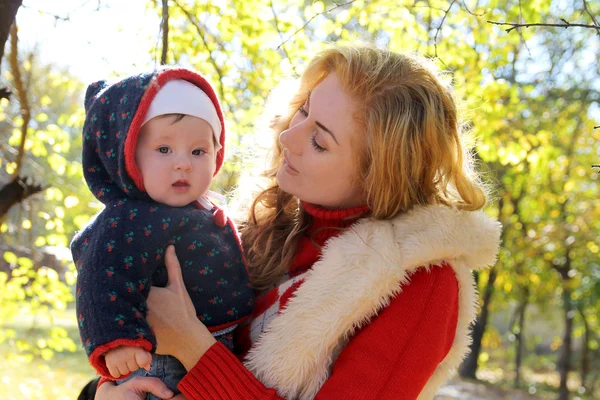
x: 527, y: 72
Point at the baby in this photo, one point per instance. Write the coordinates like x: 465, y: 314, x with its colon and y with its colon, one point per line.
x: 152, y: 144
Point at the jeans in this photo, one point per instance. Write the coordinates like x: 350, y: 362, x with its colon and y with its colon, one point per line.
x: 167, y: 368
x: 170, y: 370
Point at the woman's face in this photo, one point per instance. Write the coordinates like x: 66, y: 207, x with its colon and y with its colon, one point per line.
x: 320, y: 164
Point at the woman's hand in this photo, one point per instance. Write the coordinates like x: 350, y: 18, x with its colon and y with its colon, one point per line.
x: 172, y: 315
x: 134, y: 389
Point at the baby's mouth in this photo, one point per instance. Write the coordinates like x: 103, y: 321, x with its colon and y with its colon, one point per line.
x: 181, y: 183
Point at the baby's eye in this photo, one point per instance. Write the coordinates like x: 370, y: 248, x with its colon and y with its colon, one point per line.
x: 198, y: 152
x: 163, y: 150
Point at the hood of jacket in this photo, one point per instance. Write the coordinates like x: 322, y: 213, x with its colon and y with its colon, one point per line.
x: 114, y: 115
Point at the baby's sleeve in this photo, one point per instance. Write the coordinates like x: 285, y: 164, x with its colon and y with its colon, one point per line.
x: 113, y: 282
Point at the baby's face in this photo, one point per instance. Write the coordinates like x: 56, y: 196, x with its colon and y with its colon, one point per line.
x: 176, y: 159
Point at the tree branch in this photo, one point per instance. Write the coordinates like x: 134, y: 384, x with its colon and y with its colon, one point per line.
x: 565, y: 25
x: 585, y: 6
x: 23, y: 101
x: 276, y: 21
x: 439, y: 28
x: 218, y: 70
x: 464, y: 4
x: 313, y: 17
x: 55, y: 16
x: 17, y: 190
x: 8, y: 11
x: 165, y: 31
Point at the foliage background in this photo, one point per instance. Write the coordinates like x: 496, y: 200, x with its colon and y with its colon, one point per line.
x: 530, y: 97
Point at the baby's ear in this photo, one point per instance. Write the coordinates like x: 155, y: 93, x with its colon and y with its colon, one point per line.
x: 92, y: 91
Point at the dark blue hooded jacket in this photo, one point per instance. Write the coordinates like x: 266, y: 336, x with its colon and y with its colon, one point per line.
x: 120, y: 254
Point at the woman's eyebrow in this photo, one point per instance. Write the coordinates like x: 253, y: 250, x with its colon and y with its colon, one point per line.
x: 320, y: 125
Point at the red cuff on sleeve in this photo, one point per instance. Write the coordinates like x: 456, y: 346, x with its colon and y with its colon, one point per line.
x: 220, y: 375
x: 97, y: 357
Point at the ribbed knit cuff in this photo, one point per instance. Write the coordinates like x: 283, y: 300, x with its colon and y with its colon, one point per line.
x: 220, y: 375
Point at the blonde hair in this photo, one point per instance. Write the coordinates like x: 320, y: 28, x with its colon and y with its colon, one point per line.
x: 410, y: 151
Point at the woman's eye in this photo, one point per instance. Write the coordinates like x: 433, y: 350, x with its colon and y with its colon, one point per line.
x: 318, y: 148
x: 303, y: 111
x: 198, y: 152
x: 163, y: 150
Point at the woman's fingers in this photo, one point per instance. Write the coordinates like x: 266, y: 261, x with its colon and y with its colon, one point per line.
x: 173, y: 268
x: 142, y: 385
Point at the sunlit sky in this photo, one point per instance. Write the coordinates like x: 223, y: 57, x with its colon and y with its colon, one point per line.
x: 114, y: 40
x: 94, y: 44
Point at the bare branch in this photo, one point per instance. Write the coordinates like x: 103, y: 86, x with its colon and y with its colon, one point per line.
x: 23, y: 101
x: 200, y: 30
x: 165, y: 31
x: 337, y: 5
x: 439, y: 28
x: 464, y: 4
x: 585, y: 6
x: 276, y: 21
x: 15, y: 192
x: 55, y: 16
x: 565, y: 25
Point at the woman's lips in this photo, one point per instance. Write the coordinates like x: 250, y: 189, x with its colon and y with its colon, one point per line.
x: 289, y: 168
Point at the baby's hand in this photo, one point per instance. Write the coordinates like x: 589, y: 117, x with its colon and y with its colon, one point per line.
x: 125, y: 359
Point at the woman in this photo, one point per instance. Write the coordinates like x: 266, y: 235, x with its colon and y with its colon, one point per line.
x: 361, y: 248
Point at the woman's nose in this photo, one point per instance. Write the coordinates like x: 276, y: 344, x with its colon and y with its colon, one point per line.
x: 293, y: 138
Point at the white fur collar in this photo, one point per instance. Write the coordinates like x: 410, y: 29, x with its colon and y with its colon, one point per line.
x: 358, y: 274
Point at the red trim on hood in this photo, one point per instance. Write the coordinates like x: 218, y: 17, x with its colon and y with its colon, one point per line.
x: 134, y: 129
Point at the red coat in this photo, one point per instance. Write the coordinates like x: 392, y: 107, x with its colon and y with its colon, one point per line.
x: 367, y: 321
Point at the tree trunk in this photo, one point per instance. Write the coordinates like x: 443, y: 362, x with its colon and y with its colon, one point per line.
x: 520, y: 339
x: 468, y: 368
x: 564, y: 362
x: 8, y: 11
x: 165, y: 32
x: 585, y: 350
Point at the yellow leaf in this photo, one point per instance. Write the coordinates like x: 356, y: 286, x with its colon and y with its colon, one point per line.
x: 569, y: 186
x: 318, y: 7
x: 535, y: 280
x: 10, y: 257
x: 46, y: 100
x: 60, y: 212
x: 41, y: 117
x: 11, y: 167
x: 3, y: 227
x: 71, y: 201
x: 26, y: 224
x: 47, y: 354
x: 40, y: 241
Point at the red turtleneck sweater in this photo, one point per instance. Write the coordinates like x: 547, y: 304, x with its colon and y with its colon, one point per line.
x: 417, y: 329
